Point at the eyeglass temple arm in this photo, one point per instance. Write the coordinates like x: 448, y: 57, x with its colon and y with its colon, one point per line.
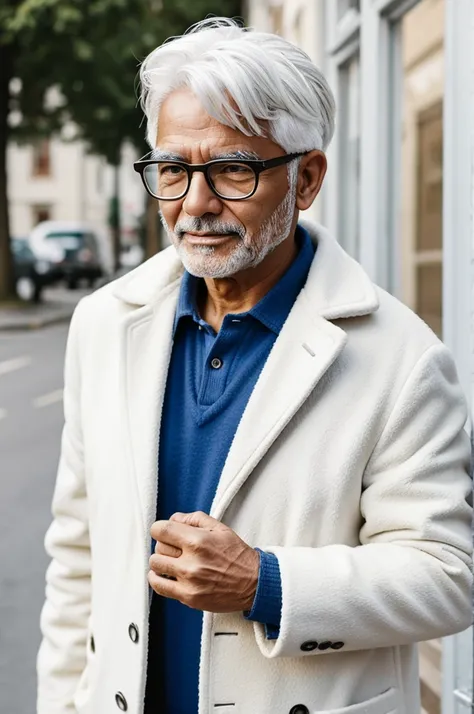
x: 279, y: 160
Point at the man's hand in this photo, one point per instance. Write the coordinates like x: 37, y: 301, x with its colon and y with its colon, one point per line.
x: 212, y: 568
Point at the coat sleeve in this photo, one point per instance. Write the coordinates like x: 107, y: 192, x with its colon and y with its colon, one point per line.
x: 410, y: 578
x: 64, y: 618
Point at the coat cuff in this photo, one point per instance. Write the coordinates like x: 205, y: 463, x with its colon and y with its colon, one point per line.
x: 266, y: 607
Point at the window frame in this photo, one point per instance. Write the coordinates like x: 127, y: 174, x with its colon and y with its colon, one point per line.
x: 372, y: 34
x: 342, y: 46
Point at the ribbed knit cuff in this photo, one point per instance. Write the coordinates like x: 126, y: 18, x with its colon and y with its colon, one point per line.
x: 266, y: 607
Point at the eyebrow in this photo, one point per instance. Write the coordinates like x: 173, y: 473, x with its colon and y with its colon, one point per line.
x: 161, y: 155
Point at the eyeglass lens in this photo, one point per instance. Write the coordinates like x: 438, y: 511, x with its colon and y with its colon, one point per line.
x: 230, y: 180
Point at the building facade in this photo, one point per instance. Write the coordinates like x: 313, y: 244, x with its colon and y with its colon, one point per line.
x: 55, y: 179
x: 399, y: 190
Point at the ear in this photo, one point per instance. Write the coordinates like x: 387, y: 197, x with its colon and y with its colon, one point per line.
x: 311, y: 174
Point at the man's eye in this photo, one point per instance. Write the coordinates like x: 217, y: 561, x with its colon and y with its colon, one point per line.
x: 171, y: 170
x: 235, y: 169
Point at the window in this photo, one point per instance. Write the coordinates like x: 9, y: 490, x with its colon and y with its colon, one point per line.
x: 428, y: 256
x: 349, y: 154
x: 42, y: 158
x: 342, y: 190
x: 419, y: 223
x: 41, y: 213
x: 344, y: 6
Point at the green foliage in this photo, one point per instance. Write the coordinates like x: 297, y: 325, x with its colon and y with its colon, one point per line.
x: 91, y: 51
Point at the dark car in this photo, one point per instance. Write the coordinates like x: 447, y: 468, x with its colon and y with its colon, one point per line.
x: 31, y: 275
x: 74, y: 245
x: 81, y: 261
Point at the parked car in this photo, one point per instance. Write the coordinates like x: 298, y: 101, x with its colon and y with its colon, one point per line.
x: 73, y: 245
x: 31, y: 274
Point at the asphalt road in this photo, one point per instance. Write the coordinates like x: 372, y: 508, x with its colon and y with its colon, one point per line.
x: 31, y: 420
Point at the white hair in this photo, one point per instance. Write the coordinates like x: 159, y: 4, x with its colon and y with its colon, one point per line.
x: 243, y: 78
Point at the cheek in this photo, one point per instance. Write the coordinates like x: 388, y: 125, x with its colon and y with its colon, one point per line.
x: 238, y: 212
x: 261, y: 206
x: 170, y: 210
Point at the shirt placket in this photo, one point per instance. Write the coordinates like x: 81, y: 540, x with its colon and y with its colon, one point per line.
x: 218, y: 362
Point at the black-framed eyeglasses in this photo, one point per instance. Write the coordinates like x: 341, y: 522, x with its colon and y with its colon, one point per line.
x: 232, y: 180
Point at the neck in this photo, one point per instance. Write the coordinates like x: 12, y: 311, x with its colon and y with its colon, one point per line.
x: 240, y: 292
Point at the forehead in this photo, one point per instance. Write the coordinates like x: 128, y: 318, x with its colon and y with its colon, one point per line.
x: 185, y: 127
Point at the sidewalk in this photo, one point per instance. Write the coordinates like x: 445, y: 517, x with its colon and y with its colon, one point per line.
x: 57, y: 306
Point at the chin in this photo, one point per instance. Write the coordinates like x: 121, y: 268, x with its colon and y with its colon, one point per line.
x: 205, y: 262
x: 204, y: 271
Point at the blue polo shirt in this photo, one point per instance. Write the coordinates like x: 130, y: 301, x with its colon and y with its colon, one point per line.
x: 211, y: 377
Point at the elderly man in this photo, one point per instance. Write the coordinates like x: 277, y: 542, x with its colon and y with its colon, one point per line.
x: 284, y: 436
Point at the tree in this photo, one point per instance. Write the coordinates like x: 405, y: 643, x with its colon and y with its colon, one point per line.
x: 90, y: 52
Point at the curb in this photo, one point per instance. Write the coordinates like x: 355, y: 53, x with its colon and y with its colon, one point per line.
x: 34, y: 323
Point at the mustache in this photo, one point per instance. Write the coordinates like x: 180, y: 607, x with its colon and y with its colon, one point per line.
x: 209, y: 225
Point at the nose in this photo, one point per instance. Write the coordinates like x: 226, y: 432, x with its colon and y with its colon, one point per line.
x: 200, y: 199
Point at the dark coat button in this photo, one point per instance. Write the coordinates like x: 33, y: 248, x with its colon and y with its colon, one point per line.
x: 92, y: 643
x: 324, y: 645
x: 337, y: 645
x: 309, y: 646
x: 299, y: 709
x: 121, y: 702
x: 133, y: 632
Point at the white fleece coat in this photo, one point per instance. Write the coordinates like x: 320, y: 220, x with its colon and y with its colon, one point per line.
x: 350, y: 463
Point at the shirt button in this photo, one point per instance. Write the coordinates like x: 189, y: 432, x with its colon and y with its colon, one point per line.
x: 216, y: 363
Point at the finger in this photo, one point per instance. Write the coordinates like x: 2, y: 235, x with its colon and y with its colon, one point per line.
x: 198, y: 519
x: 170, y: 550
x: 163, y: 566
x: 164, y: 587
x: 172, y: 533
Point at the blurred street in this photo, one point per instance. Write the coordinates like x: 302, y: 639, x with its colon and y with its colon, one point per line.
x: 31, y: 418
x: 57, y: 305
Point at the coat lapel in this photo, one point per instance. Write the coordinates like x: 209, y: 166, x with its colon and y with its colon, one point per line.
x: 147, y: 344
x: 305, y: 349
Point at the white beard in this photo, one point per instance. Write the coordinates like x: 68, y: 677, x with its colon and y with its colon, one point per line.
x: 205, y: 261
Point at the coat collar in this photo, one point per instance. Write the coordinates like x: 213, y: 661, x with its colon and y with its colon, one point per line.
x: 337, y: 286
x: 308, y: 344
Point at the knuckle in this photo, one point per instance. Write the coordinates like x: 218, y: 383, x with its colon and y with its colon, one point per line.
x: 193, y: 543
x: 193, y: 571
x: 165, y: 529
